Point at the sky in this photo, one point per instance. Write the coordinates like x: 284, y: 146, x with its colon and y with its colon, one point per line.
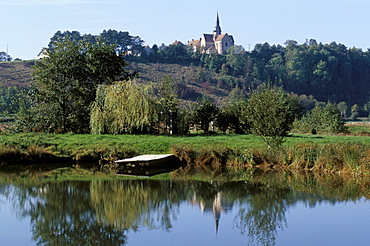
x: 26, y: 26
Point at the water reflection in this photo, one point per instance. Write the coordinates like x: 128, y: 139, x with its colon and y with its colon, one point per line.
x: 103, y: 212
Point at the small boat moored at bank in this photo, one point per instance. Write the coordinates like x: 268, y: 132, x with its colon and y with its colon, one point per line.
x: 148, y: 165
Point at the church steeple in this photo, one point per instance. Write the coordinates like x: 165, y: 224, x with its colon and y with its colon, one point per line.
x: 217, y: 30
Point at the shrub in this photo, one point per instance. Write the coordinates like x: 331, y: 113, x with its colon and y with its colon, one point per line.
x: 271, y: 113
x: 324, y: 118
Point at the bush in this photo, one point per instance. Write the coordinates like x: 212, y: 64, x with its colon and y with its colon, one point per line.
x: 324, y: 118
x: 271, y: 113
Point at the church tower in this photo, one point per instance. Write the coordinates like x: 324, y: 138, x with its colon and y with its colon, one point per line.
x: 217, y: 30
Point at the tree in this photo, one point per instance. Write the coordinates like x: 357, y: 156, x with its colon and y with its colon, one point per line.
x: 204, y: 112
x: 10, y: 99
x: 354, y: 112
x: 122, y: 107
x: 271, y: 113
x: 174, y: 52
x: 231, y: 116
x: 213, y: 62
x: 123, y: 41
x: 342, y: 107
x: 168, y: 103
x: 59, y: 37
x: 236, y: 59
x: 154, y: 53
x: 65, y: 82
x: 4, y: 56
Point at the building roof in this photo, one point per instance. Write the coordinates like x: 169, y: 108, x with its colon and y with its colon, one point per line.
x: 208, y: 37
x: 177, y: 43
x: 222, y: 36
x: 43, y: 53
x: 194, y: 42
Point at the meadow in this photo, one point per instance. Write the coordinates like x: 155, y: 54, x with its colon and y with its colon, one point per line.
x: 329, y: 153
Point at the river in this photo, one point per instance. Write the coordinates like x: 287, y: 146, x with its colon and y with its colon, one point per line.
x: 283, y: 209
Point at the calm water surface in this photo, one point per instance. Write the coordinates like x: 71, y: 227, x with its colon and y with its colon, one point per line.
x: 266, y: 211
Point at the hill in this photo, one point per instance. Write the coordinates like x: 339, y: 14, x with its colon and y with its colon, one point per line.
x: 16, y: 73
x: 191, y: 81
x: 217, y: 78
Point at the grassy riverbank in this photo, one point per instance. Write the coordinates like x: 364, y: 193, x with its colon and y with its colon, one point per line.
x: 329, y: 153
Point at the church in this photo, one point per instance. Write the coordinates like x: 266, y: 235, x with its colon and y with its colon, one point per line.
x: 215, y: 43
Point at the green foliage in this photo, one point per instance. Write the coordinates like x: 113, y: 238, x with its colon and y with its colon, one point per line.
x: 65, y: 82
x: 183, y: 120
x: 204, y: 112
x: 271, y: 113
x: 167, y: 104
x: 342, y: 107
x: 5, y: 57
x: 127, y: 106
x: 174, y: 51
x: 121, y: 41
x: 232, y: 116
x: 236, y: 60
x: 324, y: 118
x: 322, y: 70
x: 213, y: 62
x: 10, y: 99
x: 123, y: 107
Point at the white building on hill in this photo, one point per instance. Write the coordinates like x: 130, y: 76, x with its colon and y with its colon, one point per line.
x: 213, y: 43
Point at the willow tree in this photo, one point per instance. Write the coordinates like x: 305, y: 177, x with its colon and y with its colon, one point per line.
x: 122, y: 107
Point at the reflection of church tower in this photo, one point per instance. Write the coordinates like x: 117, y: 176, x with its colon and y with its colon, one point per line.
x: 217, y: 208
x: 217, y: 30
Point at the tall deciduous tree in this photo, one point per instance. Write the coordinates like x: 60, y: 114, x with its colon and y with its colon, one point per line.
x: 65, y: 82
x: 271, y: 113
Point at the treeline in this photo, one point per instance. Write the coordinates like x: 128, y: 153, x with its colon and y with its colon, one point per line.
x: 329, y: 72
x: 82, y: 86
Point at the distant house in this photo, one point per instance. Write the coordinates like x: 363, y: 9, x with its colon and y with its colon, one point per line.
x: 213, y: 43
x: 178, y: 43
x: 195, y: 44
x: 43, y: 53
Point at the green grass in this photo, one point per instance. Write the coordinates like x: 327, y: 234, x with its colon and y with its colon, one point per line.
x: 329, y: 153
x: 144, y: 144
x: 65, y: 144
x: 359, y: 128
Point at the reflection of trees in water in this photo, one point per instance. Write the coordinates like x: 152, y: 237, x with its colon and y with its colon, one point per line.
x: 153, y: 204
x: 100, y: 212
x: 61, y: 214
x: 135, y: 204
x: 262, y: 213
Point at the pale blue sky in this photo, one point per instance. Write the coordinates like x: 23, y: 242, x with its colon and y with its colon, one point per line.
x: 27, y: 25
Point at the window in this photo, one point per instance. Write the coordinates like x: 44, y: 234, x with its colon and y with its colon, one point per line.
x: 226, y: 44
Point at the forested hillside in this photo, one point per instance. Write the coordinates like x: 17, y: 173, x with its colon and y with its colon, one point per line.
x: 327, y: 72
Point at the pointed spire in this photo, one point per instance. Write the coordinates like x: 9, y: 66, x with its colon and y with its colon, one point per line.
x: 217, y: 29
